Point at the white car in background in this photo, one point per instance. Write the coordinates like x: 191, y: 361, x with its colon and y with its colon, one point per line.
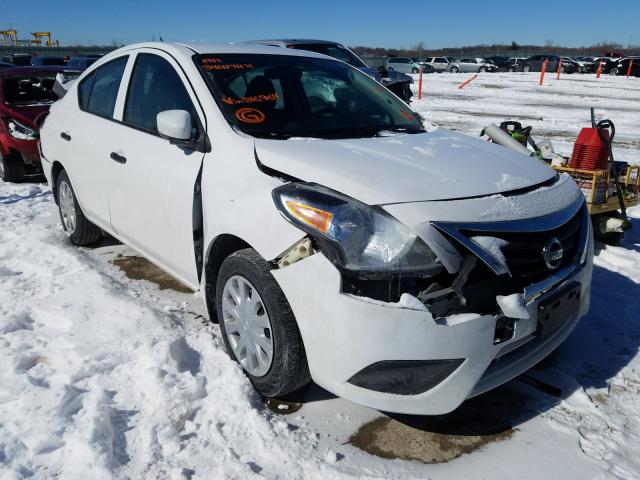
x: 467, y: 64
x: 332, y: 235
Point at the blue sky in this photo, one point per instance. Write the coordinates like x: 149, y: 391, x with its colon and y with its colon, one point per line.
x: 392, y: 24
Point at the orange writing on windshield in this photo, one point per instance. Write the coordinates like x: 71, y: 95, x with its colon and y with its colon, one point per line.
x: 253, y: 99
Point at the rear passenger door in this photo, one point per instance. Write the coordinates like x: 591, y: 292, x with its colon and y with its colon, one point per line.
x: 85, y: 138
x: 151, y: 181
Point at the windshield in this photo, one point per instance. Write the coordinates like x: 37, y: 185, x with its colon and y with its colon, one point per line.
x: 332, y: 50
x: 29, y: 90
x: 281, y: 96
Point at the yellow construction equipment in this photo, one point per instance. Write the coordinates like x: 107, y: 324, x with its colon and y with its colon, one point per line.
x: 38, y: 36
x: 10, y: 36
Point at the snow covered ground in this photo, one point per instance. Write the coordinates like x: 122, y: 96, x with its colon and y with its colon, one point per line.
x: 106, y: 377
x: 556, y: 111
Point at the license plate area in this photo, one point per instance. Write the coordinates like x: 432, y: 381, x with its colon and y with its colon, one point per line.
x: 557, y: 308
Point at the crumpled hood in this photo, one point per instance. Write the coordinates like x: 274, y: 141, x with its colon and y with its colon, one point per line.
x: 436, y: 165
x: 27, y: 114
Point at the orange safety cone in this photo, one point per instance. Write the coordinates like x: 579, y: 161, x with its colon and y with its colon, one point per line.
x: 542, y: 70
x: 599, y: 70
x: 420, y: 84
x: 559, y: 67
x: 629, y: 68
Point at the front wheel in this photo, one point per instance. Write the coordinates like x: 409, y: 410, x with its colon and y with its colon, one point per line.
x: 80, y: 230
x: 527, y: 68
x: 483, y: 69
x: 11, y: 168
x: 614, y: 71
x: 258, y: 327
x: 415, y: 70
x: 454, y: 70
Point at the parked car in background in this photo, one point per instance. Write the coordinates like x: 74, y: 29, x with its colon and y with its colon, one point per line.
x: 81, y: 63
x: 440, y: 64
x: 513, y: 64
x: 499, y: 61
x: 397, y: 82
x: 18, y: 59
x: 472, y: 65
x: 404, y: 65
x: 334, y: 259
x: 621, y: 66
x: 25, y: 97
x: 42, y: 61
x: 534, y: 64
x: 426, y: 66
x: 584, y: 66
x: 610, y: 64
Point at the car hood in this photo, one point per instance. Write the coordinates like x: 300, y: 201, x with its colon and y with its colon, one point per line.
x: 435, y: 165
x: 27, y: 114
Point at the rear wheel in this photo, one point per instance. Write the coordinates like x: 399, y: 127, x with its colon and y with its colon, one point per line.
x: 80, y: 230
x: 614, y: 71
x: 11, y: 168
x: 526, y: 68
x: 258, y: 327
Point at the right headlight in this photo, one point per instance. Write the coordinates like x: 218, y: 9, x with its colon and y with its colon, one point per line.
x: 353, y: 235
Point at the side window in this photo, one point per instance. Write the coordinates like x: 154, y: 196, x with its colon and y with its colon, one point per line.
x: 84, y: 90
x: 154, y: 87
x: 100, y: 98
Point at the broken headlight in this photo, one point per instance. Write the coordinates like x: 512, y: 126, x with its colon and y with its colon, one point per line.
x: 355, y: 236
x: 20, y: 131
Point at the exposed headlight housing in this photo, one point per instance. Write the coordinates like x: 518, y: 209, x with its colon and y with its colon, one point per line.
x: 355, y: 236
x: 19, y: 131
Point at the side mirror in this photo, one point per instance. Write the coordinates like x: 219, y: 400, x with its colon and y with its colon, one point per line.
x: 175, y: 125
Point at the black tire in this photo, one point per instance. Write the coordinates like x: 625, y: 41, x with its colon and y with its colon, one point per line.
x: 454, y: 70
x: 85, y: 233
x: 482, y: 69
x: 289, y: 370
x: 526, y: 68
x: 609, y: 238
x: 614, y: 71
x: 415, y: 70
x: 11, y: 168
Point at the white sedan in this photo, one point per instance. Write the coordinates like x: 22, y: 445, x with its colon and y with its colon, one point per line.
x: 333, y: 235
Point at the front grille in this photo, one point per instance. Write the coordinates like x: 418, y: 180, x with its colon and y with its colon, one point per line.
x: 523, y: 251
x: 522, y: 243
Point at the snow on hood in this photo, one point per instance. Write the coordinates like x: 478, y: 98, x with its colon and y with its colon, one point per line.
x: 436, y: 165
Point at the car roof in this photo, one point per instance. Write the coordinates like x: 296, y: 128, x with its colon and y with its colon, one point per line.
x: 25, y: 71
x: 188, y: 49
x: 293, y: 41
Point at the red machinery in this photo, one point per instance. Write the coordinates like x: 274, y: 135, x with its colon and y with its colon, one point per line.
x: 591, y: 150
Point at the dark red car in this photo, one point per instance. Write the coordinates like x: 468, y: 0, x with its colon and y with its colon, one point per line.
x: 25, y: 98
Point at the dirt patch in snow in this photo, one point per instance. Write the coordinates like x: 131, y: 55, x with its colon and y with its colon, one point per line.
x: 439, y: 439
x: 138, y: 268
x: 498, y: 87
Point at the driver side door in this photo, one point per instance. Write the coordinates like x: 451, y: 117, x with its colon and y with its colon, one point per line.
x: 152, y: 182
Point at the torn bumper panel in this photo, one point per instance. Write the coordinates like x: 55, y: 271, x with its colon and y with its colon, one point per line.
x: 345, y: 335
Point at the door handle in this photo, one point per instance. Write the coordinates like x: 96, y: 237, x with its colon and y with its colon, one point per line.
x: 118, y: 158
x: 65, y: 136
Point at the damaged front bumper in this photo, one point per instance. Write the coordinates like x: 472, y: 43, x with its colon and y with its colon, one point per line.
x: 357, y: 348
